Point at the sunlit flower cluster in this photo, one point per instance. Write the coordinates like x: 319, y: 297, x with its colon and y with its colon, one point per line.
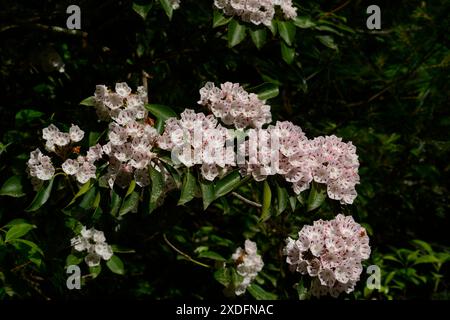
x: 257, y: 11
x: 331, y: 252
x: 94, y: 243
x: 235, y: 106
x: 248, y: 264
x: 198, y: 139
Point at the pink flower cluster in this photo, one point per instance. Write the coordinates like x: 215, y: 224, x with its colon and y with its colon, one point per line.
x: 121, y: 105
x: 285, y: 150
x: 256, y: 11
x: 40, y: 166
x: 235, y: 106
x: 331, y: 252
x: 198, y: 139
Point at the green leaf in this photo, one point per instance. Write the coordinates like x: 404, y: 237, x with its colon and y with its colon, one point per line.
x: 304, y: 22
x: 115, y: 265
x: 119, y: 249
x: 266, y: 90
x: 32, y: 245
x: 423, y: 245
x: 302, y: 291
x: 129, y: 203
x: 42, y: 196
x: 26, y: 116
x: 223, y: 276
x: 208, y: 196
x: 259, y: 293
x: 89, y: 198
x: 259, y: 37
x: 188, y: 189
x: 89, y: 102
x: 287, y: 53
x: 219, y: 19
x: 142, y: 10
x: 287, y: 31
x: 293, y: 202
x: 162, y: 113
x: 12, y: 187
x: 95, y: 271
x: 273, y: 27
x: 328, y: 42
x: 18, y: 230
x: 73, y: 260
x: 115, y: 203
x: 282, y: 199
x: 427, y: 259
x: 227, y: 184
x: 267, y: 200
x: 131, y: 188
x: 167, y: 6
x: 211, y: 255
x: 83, y: 189
x: 315, y: 199
x: 236, y: 33
x: 157, y: 188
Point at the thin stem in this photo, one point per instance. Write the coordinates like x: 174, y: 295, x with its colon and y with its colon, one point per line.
x: 250, y: 202
x: 188, y: 257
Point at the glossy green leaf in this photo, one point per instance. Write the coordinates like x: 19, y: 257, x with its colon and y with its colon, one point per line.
x: 287, y: 32
x: 259, y: 293
x: 188, y: 189
x: 328, y: 41
x: 89, y: 102
x: 157, y: 188
x: 12, y: 187
x: 211, y: 255
x: 259, y: 37
x: 267, y: 200
x: 26, y: 116
x: 304, y: 22
x: 130, y: 203
x: 227, y: 184
x: 83, y: 189
x: 236, y: 33
x: 115, y: 265
x: 167, y: 6
x: 287, y: 53
x: 18, y: 230
x: 208, y: 195
x: 219, y: 19
x: 142, y: 10
x: 316, y: 198
x: 282, y: 199
x: 42, y: 196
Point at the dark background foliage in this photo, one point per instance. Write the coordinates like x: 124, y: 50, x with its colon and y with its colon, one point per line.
x: 387, y: 91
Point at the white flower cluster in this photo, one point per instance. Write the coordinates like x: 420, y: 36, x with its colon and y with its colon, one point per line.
x: 235, y: 106
x: 249, y: 263
x: 121, y: 105
x: 331, y: 252
x: 94, y: 243
x: 256, y: 11
x: 325, y: 160
x: 53, y: 137
x: 198, y: 139
x: 40, y: 166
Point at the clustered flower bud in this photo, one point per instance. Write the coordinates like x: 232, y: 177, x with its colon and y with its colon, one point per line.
x: 331, y: 252
x: 257, y: 11
x: 235, y: 106
x: 94, y: 243
x: 248, y: 264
